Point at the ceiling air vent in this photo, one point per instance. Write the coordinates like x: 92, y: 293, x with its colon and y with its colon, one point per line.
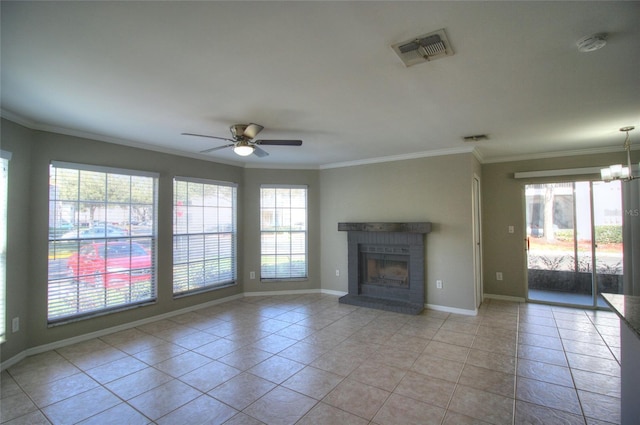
x: 475, y: 138
x: 423, y: 48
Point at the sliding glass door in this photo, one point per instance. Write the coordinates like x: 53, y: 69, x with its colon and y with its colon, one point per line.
x: 574, y: 242
x: 608, y: 215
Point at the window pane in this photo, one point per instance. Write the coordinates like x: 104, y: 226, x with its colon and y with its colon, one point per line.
x: 299, y: 198
x: 283, y: 224
x: 268, y: 197
x: 268, y: 244
x: 92, y: 186
x: 118, y: 188
x: 204, y: 241
x: 283, y: 198
x: 101, y: 246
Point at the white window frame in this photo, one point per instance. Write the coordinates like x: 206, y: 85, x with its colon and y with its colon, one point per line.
x: 5, y: 157
x: 202, y: 228
x: 74, y: 293
x: 275, y: 249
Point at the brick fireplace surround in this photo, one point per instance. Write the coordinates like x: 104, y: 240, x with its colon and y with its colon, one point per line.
x: 401, y: 243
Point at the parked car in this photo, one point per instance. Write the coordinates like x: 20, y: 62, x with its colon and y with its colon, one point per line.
x: 95, y: 232
x: 60, y: 228
x: 111, y: 264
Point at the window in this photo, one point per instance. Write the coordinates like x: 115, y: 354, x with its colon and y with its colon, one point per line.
x: 102, y: 240
x: 4, y: 174
x: 283, y: 232
x: 204, y: 235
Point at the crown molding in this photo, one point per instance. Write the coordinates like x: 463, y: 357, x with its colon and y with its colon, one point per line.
x: 18, y: 119
x: 476, y: 152
x: 392, y: 158
x: 33, y: 125
x: 556, y: 154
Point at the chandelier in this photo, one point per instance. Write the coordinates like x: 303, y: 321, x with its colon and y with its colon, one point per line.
x: 619, y: 171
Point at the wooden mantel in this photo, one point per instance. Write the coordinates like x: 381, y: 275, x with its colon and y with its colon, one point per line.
x: 413, y: 227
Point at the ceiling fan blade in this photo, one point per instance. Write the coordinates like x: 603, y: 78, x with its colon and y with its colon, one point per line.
x: 260, y: 153
x: 252, y: 130
x: 207, y: 136
x: 279, y: 142
x: 217, y: 148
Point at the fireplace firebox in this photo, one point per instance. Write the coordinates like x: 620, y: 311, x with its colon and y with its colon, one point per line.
x: 386, y: 265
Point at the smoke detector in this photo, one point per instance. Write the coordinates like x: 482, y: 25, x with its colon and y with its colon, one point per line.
x: 423, y: 48
x: 592, y: 42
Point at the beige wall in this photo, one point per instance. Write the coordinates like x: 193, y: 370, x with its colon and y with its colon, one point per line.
x: 436, y: 189
x: 28, y: 228
x: 15, y: 139
x: 503, y: 205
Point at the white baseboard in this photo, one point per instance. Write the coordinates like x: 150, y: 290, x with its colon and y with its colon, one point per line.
x: 284, y: 292
x: 295, y: 291
x: 505, y: 298
x: 333, y: 292
x: 451, y: 309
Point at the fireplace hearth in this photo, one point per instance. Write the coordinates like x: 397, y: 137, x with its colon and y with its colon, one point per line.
x: 386, y: 265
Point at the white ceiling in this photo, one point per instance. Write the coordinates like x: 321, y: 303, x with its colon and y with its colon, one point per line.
x: 141, y: 73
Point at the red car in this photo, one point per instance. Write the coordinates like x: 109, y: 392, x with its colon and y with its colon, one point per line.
x: 111, y: 264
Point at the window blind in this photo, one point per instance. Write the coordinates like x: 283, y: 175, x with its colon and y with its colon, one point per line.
x: 204, y: 235
x: 102, y: 240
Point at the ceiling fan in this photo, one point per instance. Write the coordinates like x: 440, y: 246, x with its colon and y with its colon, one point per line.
x: 242, y: 140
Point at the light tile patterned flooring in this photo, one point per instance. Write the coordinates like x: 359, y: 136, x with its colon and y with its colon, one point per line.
x: 306, y: 359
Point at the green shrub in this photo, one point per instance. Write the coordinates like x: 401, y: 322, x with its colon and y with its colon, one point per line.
x: 564, y: 234
x: 609, y: 234
x: 604, y: 234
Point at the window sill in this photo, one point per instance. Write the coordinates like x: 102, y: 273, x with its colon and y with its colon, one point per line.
x: 277, y: 280
x: 203, y: 290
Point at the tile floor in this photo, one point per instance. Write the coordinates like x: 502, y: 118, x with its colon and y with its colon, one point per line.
x: 306, y: 359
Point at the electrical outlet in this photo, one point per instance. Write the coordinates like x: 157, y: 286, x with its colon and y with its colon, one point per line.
x: 15, y: 324
x: 252, y: 275
x: 337, y: 272
x: 498, y: 275
x: 511, y: 229
x: 439, y: 284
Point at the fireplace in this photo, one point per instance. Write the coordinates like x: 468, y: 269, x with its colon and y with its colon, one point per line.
x: 386, y: 265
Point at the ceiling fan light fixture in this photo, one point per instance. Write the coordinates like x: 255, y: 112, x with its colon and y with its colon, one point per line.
x: 243, y: 149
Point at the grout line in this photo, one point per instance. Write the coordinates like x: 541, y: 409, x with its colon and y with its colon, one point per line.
x: 515, y: 365
x: 235, y: 317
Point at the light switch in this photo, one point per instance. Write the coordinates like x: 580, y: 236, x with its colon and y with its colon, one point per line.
x: 511, y: 229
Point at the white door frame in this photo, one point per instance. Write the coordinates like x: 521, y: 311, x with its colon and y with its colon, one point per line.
x: 477, y: 240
